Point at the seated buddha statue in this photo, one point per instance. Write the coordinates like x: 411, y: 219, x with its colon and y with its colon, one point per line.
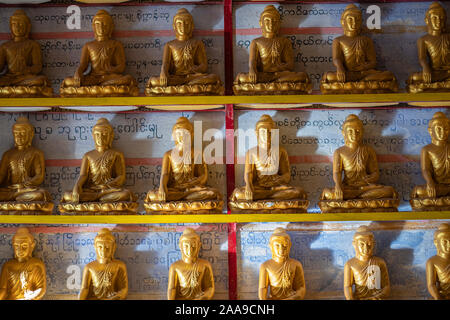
x: 438, y: 266
x: 281, y: 278
x: 182, y: 187
x: 267, y: 175
x: 22, y: 171
x: 105, y: 278
x: 365, y: 276
x: 271, y: 62
x: 21, y: 62
x: 23, y: 277
x: 190, y: 278
x: 435, y: 165
x: 434, y: 54
x: 99, y: 188
x: 355, y: 60
x: 184, y: 69
x: 355, y: 174
x: 106, y: 58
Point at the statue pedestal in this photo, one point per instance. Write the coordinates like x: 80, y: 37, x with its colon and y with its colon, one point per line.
x: 430, y: 204
x: 187, y: 90
x: 99, y: 91
x: 358, y: 87
x: 442, y: 86
x: 272, y: 88
x: 98, y: 208
x: 184, y: 207
x: 359, y: 205
x: 269, y: 206
x: 25, y: 92
x: 26, y: 208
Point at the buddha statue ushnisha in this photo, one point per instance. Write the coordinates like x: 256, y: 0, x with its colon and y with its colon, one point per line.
x: 99, y: 188
x: 22, y: 171
x: 106, y: 58
x: 190, y: 278
x: 21, y: 60
x: 267, y: 175
x: 356, y: 174
x: 182, y: 188
x: 184, y: 69
x: 271, y: 62
x: 433, y: 53
x: 355, y: 60
x: 281, y: 278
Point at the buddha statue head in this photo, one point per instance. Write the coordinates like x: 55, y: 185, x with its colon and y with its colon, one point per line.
x: 351, y: 20
x: 20, y: 25
x: 183, y: 132
x: 439, y: 127
x: 435, y: 18
x: 189, y: 245
x: 442, y: 240
x: 23, y: 244
x: 103, y: 134
x: 183, y: 24
x: 23, y: 133
x: 270, y: 22
x: 105, y: 246
x: 363, y: 243
x: 103, y: 25
x: 263, y: 129
x: 280, y: 244
x: 353, y: 130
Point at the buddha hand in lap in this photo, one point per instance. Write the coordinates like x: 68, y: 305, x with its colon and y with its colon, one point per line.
x: 267, y: 175
x: 23, y: 277
x: 435, y: 164
x: 271, y: 62
x: 355, y: 174
x: 183, y: 178
x: 102, y: 176
x: 22, y: 171
x: 190, y: 278
x: 22, y: 59
x: 281, y: 278
x: 366, y: 273
x: 355, y: 60
x: 438, y: 266
x: 185, y: 65
x: 434, y: 54
x: 106, y: 57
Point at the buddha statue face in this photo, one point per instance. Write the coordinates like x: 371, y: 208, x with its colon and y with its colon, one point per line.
x: 103, y: 136
x: 264, y: 137
x: 20, y: 25
x: 436, y: 19
x: 190, y: 248
x: 442, y: 243
x: 440, y: 129
x: 183, y: 25
x: 364, y: 245
x: 353, y: 133
x: 104, y: 248
x: 23, y: 135
x: 270, y: 23
x: 23, y: 246
x: 280, y: 247
x: 351, y: 21
x: 102, y: 25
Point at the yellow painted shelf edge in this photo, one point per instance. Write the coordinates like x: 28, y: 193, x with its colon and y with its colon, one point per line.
x: 202, y: 100
x: 222, y: 218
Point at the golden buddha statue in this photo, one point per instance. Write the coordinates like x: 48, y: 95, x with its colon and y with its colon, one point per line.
x: 98, y: 189
x: 438, y: 266
x: 355, y: 60
x: 106, y: 58
x: 271, y: 62
x: 355, y: 174
x: 22, y: 171
x: 23, y: 277
x: 434, y: 55
x: 105, y: 278
x: 267, y: 175
x: 22, y: 59
x: 190, y: 278
x: 369, y: 274
x: 283, y: 275
x: 185, y: 65
x: 435, y: 165
x: 182, y: 187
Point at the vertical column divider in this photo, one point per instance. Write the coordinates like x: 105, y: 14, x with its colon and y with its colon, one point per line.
x: 228, y: 45
x: 230, y: 160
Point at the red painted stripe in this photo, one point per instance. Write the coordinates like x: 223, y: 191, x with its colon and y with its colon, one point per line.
x: 308, y: 30
x: 228, y: 45
x: 232, y: 262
